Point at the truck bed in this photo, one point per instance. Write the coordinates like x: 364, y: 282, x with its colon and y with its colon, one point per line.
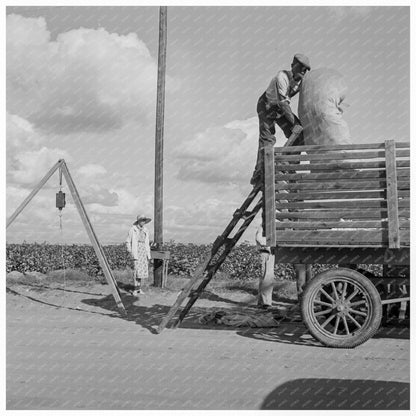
x: 352, y: 196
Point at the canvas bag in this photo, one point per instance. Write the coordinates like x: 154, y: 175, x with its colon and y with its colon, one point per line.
x: 321, y: 96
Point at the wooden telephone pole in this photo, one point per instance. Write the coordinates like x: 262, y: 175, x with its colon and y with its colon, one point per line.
x: 160, y: 113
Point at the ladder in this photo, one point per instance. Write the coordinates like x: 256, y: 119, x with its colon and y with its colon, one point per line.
x: 222, y: 247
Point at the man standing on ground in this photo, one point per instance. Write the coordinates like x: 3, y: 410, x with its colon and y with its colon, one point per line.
x: 264, y: 298
x: 274, y: 107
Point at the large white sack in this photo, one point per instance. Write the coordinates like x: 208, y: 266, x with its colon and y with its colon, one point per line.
x: 321, y: 95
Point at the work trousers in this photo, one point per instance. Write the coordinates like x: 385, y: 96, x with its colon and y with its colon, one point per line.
x: 267, y: 120
x: 266, y: 279
x: 303, y: 275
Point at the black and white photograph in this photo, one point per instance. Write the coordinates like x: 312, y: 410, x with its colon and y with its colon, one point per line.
x: 207, y: 206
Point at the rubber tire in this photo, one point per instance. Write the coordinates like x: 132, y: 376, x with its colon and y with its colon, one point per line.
x: 361, y: 336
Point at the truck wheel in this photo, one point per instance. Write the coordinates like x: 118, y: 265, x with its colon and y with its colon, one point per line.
x: 341, y: 308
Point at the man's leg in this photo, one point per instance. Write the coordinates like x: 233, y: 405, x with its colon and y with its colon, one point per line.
x: 266, y: 280
x: 303, y: 275
x: 266, y: 138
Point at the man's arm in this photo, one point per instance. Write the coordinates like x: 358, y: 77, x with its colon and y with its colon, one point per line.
x: 278, y: 90
x: 287, y: 112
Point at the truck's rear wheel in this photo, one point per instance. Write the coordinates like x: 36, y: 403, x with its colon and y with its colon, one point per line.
x: 341, y: 308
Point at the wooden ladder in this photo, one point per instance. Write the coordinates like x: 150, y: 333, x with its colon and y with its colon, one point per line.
x: 221, y: 248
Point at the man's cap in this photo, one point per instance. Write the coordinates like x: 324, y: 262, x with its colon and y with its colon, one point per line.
x: 303, y: 59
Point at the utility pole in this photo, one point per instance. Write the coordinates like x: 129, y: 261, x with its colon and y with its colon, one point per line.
x: 160, y: 112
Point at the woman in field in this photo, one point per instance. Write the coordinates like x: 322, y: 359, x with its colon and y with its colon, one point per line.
x: 138, y: 246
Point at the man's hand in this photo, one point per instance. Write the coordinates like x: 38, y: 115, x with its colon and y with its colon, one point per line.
x: 297, y: 129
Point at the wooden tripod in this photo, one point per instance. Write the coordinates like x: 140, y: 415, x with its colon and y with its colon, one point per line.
x: 63, y: 169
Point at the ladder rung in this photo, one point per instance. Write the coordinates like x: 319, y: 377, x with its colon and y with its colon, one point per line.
x: 242, y: 214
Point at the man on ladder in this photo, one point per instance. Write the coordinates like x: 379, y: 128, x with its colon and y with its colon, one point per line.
x: 273, y: 107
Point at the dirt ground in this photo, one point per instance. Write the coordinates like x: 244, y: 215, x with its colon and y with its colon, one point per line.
x: 68, y: 348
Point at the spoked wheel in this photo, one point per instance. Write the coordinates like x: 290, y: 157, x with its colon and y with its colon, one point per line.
x: 341, y: 308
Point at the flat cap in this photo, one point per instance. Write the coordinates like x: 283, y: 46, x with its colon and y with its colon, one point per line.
x: 303, y: 59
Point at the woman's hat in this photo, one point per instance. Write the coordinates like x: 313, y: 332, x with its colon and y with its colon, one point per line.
x: 142, y: 217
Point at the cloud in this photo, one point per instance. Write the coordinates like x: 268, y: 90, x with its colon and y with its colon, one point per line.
x: 27, y: 159
x: 92, y: 170
x: 100, y: 196
x: 341, y: 12
x: 222, y: 155
x: 86, y: 80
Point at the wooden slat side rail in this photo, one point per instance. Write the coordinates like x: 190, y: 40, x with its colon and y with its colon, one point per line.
x: 306, y: 225
x: 392, y: 198
x: 338, y: 238
x: 313, y: 195
x: 356, y: 185
x: 375, y: 154
x: 269, y: 197
x: 334, y: 214
x: 280, y: 166
x: 338, y: 195
x: 370, y: 146
x: 341, y: 205
x: 320, y: 224
x: 338, y: 205
x: 403, y: 174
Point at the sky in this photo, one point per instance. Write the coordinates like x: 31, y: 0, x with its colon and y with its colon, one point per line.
x: 81, y: 85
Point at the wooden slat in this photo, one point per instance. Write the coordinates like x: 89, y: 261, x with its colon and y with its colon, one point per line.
x: 338, y: 166
x: 334, y: 214
x: 353, y: 194
x: 346, y: 214
x: 335, y: 237
x: 371, y: 146
x: 403, y: 185
x: 404, y: 203
x: 404, y: 223
x: 339, y: 205
x: 302, y: 225
x: 341, y: 185
x: 319, y: 224
x: 269, y: 197
x: 311, y: 195
x: 404, y: 213
x: 338, y: 237
x: 322, y: 156
x: 329, y: 195
x: 340, y: 175
x: 392, y: 202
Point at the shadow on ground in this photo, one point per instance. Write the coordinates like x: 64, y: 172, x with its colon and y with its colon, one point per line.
x: 337, y: 394
x: 149, y: 317
x: 289, y: 331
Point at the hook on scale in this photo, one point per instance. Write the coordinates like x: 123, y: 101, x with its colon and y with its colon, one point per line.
x: 60, y: 196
